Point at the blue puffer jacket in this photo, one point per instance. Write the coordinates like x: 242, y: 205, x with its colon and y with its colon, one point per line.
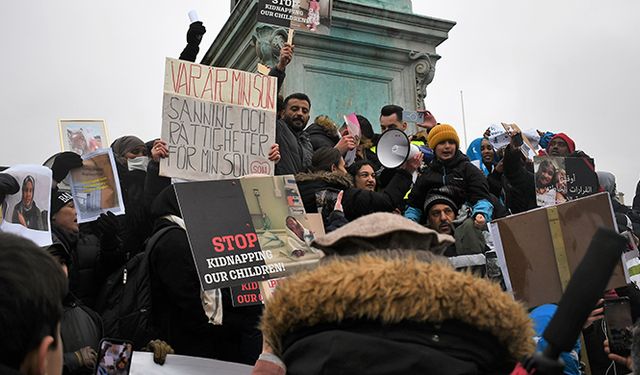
x: 465, y: 180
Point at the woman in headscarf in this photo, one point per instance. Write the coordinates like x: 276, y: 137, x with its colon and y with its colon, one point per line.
x: 26, y: 212
x: 132, y: 158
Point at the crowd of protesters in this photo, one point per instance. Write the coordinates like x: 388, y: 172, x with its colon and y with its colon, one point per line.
x: 397, y: 241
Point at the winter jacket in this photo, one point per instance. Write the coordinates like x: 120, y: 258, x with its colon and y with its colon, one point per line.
x: 319, y: 191
x: 135, y: 224
x: 296, y: 150
x: 519, y: 182
x: 466, y: 181
x: 80, y: 327
x: 322, y: 136
x: 311, y: 185
x: 358, y: 202
x: 92, y: 261
x: 177, y: 305
x: 5, y: 370
x: 377, y: 314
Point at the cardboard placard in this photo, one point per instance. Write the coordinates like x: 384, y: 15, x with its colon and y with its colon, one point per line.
x: 559, y: 180
x: 218, y: 123
x: 246, y: 230
x: 529, y: 246
x: 26, y: 213
x: 96, y: 186
x: 306, y: 15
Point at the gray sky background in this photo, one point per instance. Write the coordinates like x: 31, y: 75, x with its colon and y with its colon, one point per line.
x: 568, y: 65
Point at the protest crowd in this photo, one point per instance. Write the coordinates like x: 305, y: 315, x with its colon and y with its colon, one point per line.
x: 409, y: 281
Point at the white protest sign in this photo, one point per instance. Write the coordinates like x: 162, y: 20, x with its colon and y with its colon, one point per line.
x: 218, y: 123
x: 96, y: 187
x: 26, y: 213
x: 142, y: 364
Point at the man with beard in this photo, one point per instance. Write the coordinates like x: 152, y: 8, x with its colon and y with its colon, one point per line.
x: 469, y: 248
x: 296, y: 149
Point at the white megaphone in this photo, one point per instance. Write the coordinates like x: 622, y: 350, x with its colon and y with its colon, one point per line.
x: 394, y: 148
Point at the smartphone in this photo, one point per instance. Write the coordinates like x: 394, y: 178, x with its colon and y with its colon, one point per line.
x: 617, y: 315
x: 413, y: 116
x: 114, y: 357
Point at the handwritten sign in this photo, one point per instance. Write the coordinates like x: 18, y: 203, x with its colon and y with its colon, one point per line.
x: 559, y: 180
x: 218, y: 123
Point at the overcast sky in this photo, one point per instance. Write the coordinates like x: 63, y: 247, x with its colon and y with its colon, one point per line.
x: 568, y: 65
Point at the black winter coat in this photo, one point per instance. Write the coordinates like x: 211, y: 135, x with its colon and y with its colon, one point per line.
x: 358, y: 202
x: 321, y: 136
x: 466, y: 181
x: 92, y: 260
x: 80, y: 327
x: 519, y: 182
x: 296, y: 150
x: 177, y: 306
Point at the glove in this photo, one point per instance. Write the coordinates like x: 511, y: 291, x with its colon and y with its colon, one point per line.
x: 195, y: 33
x: 8, y: 185
x: 86, y: 356
x: 65, y: 162
x: 107, y: 224
x: 160, y: 350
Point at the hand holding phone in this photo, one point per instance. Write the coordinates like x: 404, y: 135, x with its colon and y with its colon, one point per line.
x: 114, y: 357
x: 617, y: 315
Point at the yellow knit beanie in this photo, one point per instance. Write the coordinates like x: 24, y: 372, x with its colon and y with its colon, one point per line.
x: 441, y: 133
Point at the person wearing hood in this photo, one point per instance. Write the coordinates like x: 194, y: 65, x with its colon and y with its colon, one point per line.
x: 384, y: 302
x: 132, y: 159
x: 451, y: 168
x: 482, y: 154
x: 194, y: 323
x: 323, y: 132
x: 26, y: 212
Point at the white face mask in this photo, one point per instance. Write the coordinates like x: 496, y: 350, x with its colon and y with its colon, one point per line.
x: 140, y: 163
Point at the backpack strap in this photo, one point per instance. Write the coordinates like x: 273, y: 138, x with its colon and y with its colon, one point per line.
x: 153, y: 240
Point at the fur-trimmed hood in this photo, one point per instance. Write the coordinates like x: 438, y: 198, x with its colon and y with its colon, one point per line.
x: 395, y: 289
x: 336, y: 179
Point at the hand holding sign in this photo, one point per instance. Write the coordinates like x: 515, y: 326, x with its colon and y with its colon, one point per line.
x: 429, y: 120
x: 195, y: 33
x: 274, y: 153
x: 159, y: 150
x: 346, y: 143
x: 286, y: 55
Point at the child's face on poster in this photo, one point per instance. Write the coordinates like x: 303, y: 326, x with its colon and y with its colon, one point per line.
x: 27, y: 194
